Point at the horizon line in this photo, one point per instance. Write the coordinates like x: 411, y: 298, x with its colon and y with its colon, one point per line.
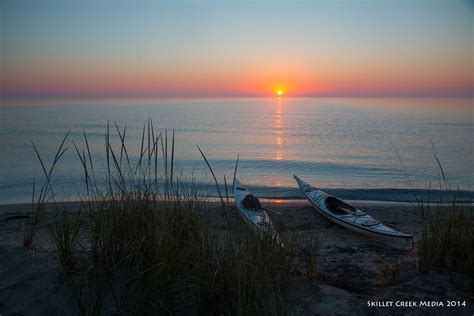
x: 84, y: 100
x: 35, y: 96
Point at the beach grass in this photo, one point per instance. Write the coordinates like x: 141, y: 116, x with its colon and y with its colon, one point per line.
x: 64, y: 234
x: 447, y: 234
x: 447, y: 238
x: 45, y: 194
x: 139, y: 245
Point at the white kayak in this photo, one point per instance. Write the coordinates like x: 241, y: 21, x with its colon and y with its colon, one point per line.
x: 252, y: 212
x: 345, y: 215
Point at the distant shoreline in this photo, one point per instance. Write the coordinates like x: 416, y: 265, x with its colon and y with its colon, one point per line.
x: 379, y: 196
x: 283, y: 202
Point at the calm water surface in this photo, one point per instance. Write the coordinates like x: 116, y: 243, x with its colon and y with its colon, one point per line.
x: 358, y: 148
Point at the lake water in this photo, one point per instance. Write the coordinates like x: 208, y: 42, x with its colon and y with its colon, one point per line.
x: 372, y: 149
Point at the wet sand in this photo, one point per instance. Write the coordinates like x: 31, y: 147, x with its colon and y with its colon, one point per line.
x: 351, y: 271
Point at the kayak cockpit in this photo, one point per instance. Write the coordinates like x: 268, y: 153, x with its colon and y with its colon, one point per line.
x: 338, y: 206
x: 252, y: 203
x: 263, y: 222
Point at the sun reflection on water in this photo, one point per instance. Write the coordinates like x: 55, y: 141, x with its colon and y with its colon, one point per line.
x: 278, y: 125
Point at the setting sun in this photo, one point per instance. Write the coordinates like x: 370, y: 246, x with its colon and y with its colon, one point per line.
x: 279, y: 93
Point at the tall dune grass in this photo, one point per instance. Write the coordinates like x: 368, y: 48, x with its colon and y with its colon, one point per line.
x: 447, y: 233
x: 45, y: 194
x: 447, y: 238
x: 141, y: 246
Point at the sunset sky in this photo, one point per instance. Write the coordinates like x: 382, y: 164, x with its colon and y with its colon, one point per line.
x: 236, y: 48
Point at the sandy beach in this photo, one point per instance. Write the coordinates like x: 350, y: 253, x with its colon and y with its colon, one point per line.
x: 353, y: 275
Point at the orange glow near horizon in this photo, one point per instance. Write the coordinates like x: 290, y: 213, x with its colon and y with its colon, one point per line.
x: 77, y: 79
